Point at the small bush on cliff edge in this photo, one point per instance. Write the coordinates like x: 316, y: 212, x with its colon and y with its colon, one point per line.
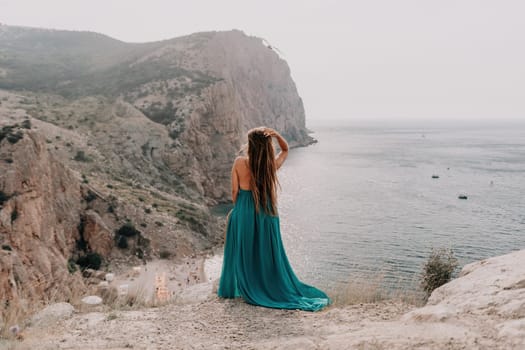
x: 90, y: 261
x: 438, y: 269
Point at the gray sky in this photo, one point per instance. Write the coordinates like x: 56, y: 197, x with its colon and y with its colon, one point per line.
x: 368, y: 59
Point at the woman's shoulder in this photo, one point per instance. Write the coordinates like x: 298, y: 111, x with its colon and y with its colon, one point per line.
x: 241, y: 164
x: 240, y: 160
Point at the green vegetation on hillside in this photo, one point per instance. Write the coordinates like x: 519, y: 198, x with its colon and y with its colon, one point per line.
x: 75, y: 64
x: 11, y: 133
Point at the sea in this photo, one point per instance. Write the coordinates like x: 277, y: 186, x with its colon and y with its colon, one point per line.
x: 370, y: 201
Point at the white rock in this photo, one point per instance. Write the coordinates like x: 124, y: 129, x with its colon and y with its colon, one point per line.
x: 493, y: 285
x: 100, y: 275
x: 92, y: 300
x: 512, y: 328
x: 103, y: 284
x: 136, y: 270
x: 123, y: 289
x: 14, y: 329
x: 52, y: 313
x: 491, y: 288
x: 430, y: 313
x: 92, y: 319
x: 110, y: 277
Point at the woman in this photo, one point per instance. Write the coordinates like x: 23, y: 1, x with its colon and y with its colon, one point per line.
x: 255, y: 266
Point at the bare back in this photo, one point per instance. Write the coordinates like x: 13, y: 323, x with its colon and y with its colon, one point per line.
x: 241, y: 175
x: 244, y: 175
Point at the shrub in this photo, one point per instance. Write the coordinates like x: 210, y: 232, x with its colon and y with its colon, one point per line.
x: 90, y: 261
x: 81, y: 243
x: 3, y: 197
x: 147, y: 210
x: 90, y: 196
x: 438, y: 269
x: 26, y: 124
x: 122, y: 242
x: 143, y: 241
x: 13, y: 137
x: 8, y: 132
x: 164, y: 254
x: 81, y: 157
x: 174, y: 134
x: 14, y: 215
x: 6, y: 247
x: 71, y: 266
x: 127, y: 230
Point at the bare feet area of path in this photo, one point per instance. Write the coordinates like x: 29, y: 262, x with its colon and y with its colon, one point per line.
x: 484, y: 308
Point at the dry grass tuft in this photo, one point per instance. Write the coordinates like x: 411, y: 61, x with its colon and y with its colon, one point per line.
x: 136, y: 297
x: 359, y: 291
x: 373, y: 290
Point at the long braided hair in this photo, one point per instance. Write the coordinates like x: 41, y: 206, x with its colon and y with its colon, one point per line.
x: 264, y: 181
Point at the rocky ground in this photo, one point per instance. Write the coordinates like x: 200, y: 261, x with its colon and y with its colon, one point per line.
x: 484, y: 308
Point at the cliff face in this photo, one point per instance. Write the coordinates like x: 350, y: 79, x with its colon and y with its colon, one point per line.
x: 251, y: 86
x: 140, y: 134
x: 40, y: 207
x: 203, y: 91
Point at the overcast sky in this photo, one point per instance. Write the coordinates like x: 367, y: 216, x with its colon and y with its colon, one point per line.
x: 367, y: 59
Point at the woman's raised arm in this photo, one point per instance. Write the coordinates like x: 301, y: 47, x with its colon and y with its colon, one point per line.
x: 280, y: 158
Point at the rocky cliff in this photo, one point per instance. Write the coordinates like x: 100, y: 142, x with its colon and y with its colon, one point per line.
x: 100, y: 135
x: 173, y: 112
x: 40, y: 207
x: 250, y: 86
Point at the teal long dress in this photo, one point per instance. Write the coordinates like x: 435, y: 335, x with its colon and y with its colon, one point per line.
x: 255, y: 266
